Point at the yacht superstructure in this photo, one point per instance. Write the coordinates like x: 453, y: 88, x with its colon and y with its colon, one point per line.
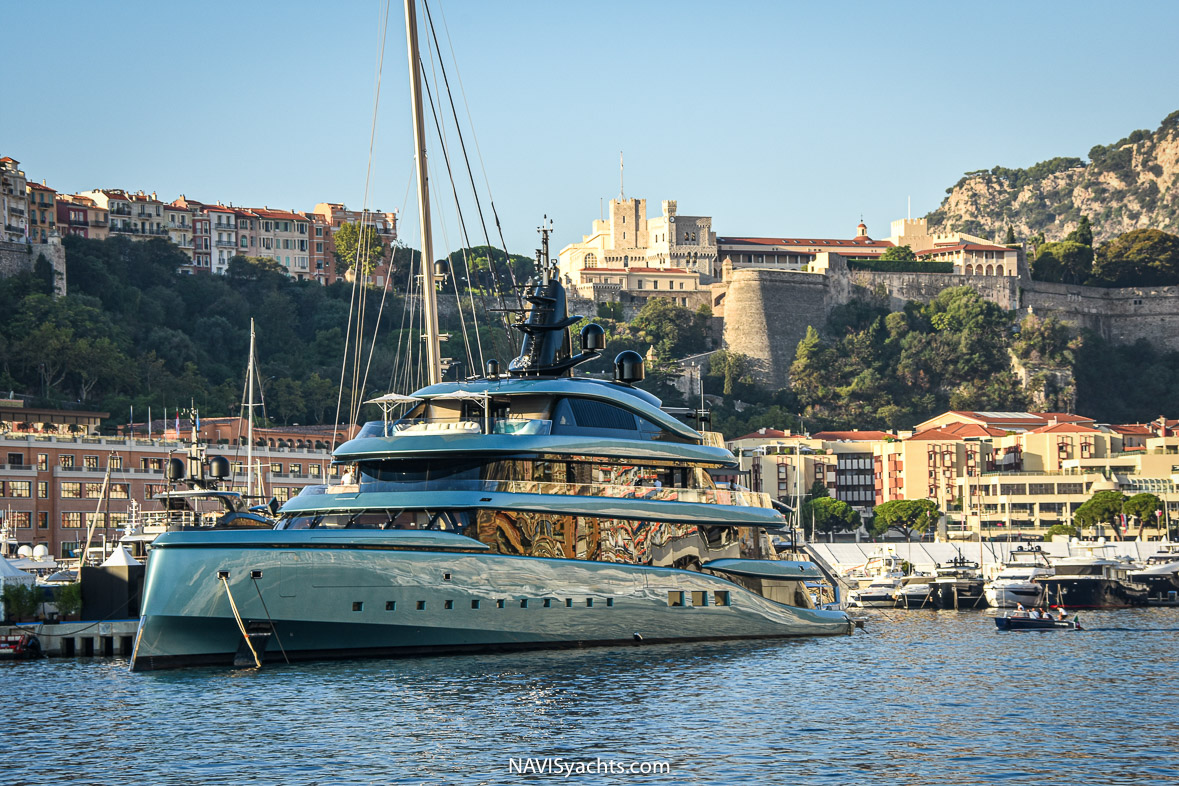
x: 520, y: 510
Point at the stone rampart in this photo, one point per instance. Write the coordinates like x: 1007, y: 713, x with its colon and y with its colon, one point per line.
x: 1122, y: 315
x: 767, y: 310
x: 16, y: 258
x: 924, y: 287
x: 767, y: 313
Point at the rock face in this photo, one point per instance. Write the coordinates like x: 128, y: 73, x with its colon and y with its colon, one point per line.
x: 1131, y: 184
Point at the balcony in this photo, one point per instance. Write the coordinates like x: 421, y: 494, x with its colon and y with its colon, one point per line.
x: 225, y: 244
x: 120, y: 210
x: 219, y: 225
x: 98, y: 222
x: 16, y: 211
x: 79, y: 222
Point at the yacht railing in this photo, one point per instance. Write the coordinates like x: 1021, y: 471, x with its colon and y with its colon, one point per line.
x: 738, y: 497
x: 442, y: 426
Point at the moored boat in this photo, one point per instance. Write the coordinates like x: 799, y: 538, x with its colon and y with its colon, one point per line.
x: 1016, y: 584
x: 958, y: 584
x: 1088, y: 581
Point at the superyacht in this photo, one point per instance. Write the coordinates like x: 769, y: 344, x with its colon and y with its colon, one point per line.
x: 520, y: 510
x: 526, y: 509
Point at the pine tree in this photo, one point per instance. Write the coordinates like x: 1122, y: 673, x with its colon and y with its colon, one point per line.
x: 1010, y: 239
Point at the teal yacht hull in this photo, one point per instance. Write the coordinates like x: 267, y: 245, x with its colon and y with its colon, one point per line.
x: 358, y: 593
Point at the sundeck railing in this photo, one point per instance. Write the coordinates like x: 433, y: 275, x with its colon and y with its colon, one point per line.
x: 442, y: 426
x: 739, y: 497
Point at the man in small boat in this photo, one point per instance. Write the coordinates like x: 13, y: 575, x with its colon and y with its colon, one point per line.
x: 1063, y: 616
x: 1020, y: 611
x: 1034, y: 614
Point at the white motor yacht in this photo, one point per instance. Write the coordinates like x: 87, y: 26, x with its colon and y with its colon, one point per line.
x: 1016, y: 583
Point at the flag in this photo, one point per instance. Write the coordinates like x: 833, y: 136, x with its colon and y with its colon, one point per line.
x: 178, y: 423
x: 198, y: 421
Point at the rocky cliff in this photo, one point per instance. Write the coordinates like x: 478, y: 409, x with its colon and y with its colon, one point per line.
x: 1131, y: 184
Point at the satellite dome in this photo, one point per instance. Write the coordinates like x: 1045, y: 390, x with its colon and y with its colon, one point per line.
x: 25, y: 551
x: 40, y: 551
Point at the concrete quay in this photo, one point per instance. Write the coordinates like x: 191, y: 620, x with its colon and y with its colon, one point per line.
x: 109, y: 638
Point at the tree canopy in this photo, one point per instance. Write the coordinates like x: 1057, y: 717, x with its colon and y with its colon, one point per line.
x: 898, y: 254
x: 891, y: 370
x: 1104, y: 507
x: 354, y: 244
x: 134, y: 332
x: 1143, y: 257
x: 832, y: 515
x: 905, y: 516
x: 1144, y: 507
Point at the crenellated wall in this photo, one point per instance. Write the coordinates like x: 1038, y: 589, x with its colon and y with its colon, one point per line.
x: 767, y: 311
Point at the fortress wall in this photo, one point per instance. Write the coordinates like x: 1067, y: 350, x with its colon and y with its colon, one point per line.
x: 1122, y: 315
x: 924, y: 287
x: 16, y: 258
x: 767, y: 313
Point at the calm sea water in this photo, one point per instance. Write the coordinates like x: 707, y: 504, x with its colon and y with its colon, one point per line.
x: 921, y: 698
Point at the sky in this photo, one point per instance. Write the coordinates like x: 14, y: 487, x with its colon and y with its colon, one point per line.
x: 776, y: 118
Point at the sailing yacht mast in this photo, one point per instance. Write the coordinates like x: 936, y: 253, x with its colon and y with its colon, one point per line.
x: 250, y: 422
x: 430, y: 307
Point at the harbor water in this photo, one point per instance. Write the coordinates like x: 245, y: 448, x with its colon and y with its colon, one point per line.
x: 920, y: 698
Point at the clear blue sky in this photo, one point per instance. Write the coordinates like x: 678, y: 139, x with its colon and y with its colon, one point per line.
x: 774, y: 118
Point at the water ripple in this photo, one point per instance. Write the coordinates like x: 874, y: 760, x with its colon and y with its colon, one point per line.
x: 923, y: 698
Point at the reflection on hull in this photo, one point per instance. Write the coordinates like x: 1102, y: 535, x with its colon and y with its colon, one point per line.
x: 1082, y: 592
x: 1011, y: 595
x: 329, y: 601
x: 957, y: 594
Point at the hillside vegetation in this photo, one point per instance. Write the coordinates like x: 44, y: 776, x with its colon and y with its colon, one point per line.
x: 1127, y: 185
x: 132, y: 332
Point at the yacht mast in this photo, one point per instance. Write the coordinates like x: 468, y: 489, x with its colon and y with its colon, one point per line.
x: 430, y: 304
x: 250, y: 422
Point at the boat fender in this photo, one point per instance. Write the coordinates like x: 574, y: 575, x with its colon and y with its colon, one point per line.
x: 638, y: 637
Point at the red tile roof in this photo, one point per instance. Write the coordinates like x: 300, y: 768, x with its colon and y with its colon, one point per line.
x: 962, y: 247
x: 1064, y: 428
x: 936, y: 433
x: 39, y: 187
x: 853, y: 436
x: 283, y: 215
x: 764, y: 433
x: 1064, y: 417
x: 860, y: 242
x: 973, y: 430
x: 677, y: 270
x: 1132, y: 428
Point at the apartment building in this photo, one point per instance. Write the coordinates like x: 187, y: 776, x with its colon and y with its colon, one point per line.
x: 42, y: 207
x: 14, y: 201
x: 335, y: 215
x: 222, y: 235
x: 82, y: 216
x: 995, y: 474
x: 321, y: 247
x: 54, y: 464
x: 283, y: 236
x: 178, y: 224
